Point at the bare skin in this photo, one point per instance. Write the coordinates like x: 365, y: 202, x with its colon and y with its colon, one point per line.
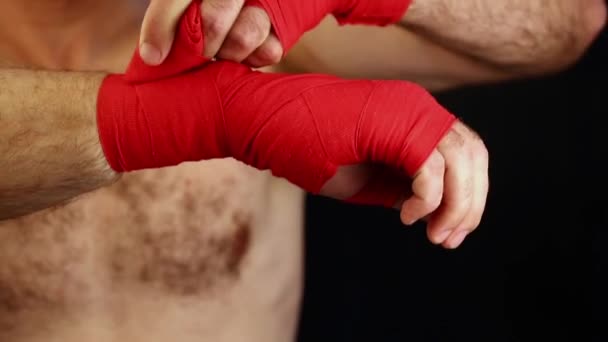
x: 188, y: 253
x: 501, y: 39
x: 441, y: 44
x: 450, y: 187
x: 525, y: 37
x: 27, y: 143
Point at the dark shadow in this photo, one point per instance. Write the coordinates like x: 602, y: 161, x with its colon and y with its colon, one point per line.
x: 536, y: 268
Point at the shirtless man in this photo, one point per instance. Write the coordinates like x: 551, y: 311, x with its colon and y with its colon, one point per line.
x: 205, y: 251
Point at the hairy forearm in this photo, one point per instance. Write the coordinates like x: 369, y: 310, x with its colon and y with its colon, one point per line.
x: 49, y: 145
x: 357, y: 51
x: 517, y: 35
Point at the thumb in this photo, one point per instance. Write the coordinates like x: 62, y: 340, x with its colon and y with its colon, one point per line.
x: 158, y: 29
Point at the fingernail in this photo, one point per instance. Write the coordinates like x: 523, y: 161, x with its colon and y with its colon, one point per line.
x: 150, y: 54
x: 443, y: 236
x: 457, y: 239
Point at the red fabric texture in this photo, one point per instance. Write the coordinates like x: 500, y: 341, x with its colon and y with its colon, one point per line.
x: 301, y: 127
x: 292, y: 18
x: 186, y: 52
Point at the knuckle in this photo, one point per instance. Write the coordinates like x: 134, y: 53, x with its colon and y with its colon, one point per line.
x: 466, y: 155
x: 453, y: 142
x: 244, y: 39
x: 459, y: 141
x: 271, y: 53
x: 473, y: 141
x: 216, y: 26
x: 435, y: 165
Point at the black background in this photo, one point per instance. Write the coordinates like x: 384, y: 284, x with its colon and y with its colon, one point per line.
x: 536, y: 268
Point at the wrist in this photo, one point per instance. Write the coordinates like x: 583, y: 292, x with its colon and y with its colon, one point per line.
x: 115, y: 99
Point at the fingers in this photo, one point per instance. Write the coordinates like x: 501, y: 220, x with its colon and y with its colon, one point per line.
x: 480, y: 190
x: 427, y: 190
x: 218, y: 19
x: 158, y: 29
x: 231, y: 32
x: 458, y: 191
x: 250, y: 30
x: 269, y: 53
x: 465, y: 188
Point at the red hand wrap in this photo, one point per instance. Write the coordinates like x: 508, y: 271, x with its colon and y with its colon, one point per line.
x: 292, y: 18
x: 301, y: 127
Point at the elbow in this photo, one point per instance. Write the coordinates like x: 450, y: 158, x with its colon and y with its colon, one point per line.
x: 579, y: 36
x: 559, y: 44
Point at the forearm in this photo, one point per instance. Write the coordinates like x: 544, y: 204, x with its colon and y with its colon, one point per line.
x: 49, y: 145
x: 384, y: 53
x: 516, y: 35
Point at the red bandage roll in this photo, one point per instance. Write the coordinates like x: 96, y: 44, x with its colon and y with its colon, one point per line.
x: 301, y: 127
x: 292, y: 18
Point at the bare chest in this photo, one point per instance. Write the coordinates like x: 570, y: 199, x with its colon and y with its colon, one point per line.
x: 150, y: 226
x: 192, y: 232
x: 183, y: 232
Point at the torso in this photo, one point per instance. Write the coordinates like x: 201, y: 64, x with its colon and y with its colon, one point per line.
x: 207, y: 251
